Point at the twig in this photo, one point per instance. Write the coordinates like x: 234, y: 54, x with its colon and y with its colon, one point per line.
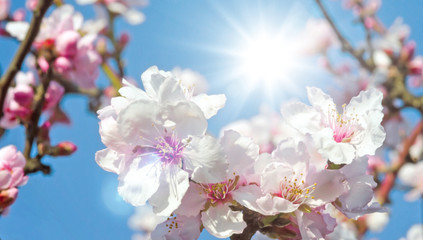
x: 346, y: 46
x: 34, y: 164
x: 23, y: 50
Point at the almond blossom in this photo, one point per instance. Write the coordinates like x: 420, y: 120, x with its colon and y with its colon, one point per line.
x: 156, y: 141
x: 289, y: 180
x: 340, y: 137
x: 213, y: 200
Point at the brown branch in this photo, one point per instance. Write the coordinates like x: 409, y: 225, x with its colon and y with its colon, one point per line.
x: 346, y: 46
x: 23, y: 50
x: 34, y: 164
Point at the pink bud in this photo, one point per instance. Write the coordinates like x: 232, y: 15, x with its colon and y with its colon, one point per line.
x: 7, y: 198
x: 62, y: 64
x: 53, y: 95
x: 44, y: 65
x: 23, y: 95
x: 19, y: 15
x: 66, y: 148
x: 369, y: 22
x: 415, y: 66
x: 124, y: 39
x: 4, y: 9
x: 66, y: 43
x: 31, y: 4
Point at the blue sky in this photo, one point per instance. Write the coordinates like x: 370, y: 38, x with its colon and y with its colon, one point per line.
x: 79, y: 200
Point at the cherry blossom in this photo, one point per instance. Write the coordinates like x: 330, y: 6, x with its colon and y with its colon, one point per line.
x: 289, y: 180
x: 215, y: 199
x: 12, y: 163
x: 4, y: 9
x: 156, y: 141
x: 340, y: 137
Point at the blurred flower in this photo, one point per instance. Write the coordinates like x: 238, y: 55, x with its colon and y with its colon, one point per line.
x: 12, y: 163
x: 4, y: 9
x: 411, y: 175
x: 414, y: 233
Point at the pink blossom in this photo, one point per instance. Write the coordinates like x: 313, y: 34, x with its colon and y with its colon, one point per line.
x: 4, y: 9
x: 53, y: 95
x: 215, y: 198
x: 17, y: 103
x: 7, y: 198
x: 12, y: 163
x: 31, y: 4
x: 289, y: 179
x: 19, y: 15
x: 66, y: 43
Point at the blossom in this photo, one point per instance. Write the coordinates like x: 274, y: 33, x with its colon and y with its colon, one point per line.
x: 178, y: 228
x: 411, y: 175
x: 191, y: 80
x: 77, y: 58
x: 213, y: 199
x: 289, y: 180
x: 126, y: 8
x: 12, y: 163
x: 318, y: 36
x: 358, y: 199
x: 414, y: 233
x: 145, y: 219
x: 340, y: 137
x: 156, y: 141
x: 4, y: 9
x: 7, y: 198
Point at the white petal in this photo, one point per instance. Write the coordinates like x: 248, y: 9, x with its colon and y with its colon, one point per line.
x: 222, y: 222
x: 241, y: 152
x: 270, y: 205
x: 109, y: 160
x: 134, y: 17
x: 247, y: 196
x: 188, y: 119
x: 301, y: 117
x: 319, y: 100
x: 205, y: 158
x: 209, y: 104
x: 117, y: 7
x: 173, y: 186
x: 338, y: 153
x: 139, y: 181
x: 193, y: 201
x: 17, y: 29
x: 83, y: 2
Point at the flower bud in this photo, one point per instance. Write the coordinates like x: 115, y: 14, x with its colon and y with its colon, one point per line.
x: 7, y: 198
x: 124, y: 39
x: 19, y: 15
x: 62, y: 64
x: 44, y: 65
x: 63, y: 149
x: 66, y: 43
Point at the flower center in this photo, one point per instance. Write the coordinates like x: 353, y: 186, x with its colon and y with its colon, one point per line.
x: 295, y: 190
x: 169, y: 149
x: 219, y: 192
x: 171, y: 223
x: 343, y: 125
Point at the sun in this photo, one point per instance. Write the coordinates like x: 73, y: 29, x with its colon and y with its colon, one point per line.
x: 267, y: 58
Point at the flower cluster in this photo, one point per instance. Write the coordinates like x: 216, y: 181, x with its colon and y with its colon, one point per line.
x: 157, y: 143
x: 12, y: 176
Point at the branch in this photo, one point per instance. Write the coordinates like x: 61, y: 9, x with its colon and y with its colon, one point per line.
x: 34, y: 164
x: 389, y: 181
x: 346, y: 46
x: 23, y: 50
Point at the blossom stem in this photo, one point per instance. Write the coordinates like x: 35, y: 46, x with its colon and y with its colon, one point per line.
x: 23, y: 50
x: 34, y: 164
x: 346, y: 46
